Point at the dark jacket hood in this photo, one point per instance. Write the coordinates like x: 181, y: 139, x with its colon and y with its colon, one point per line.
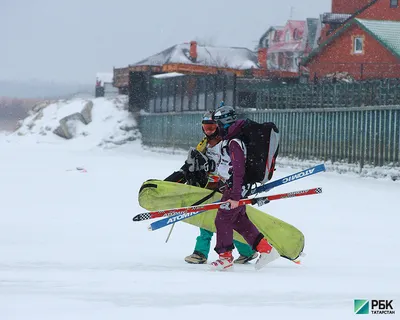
x: 233, y: 130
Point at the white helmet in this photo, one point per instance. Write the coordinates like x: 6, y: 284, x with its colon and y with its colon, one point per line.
x: 225, y: 115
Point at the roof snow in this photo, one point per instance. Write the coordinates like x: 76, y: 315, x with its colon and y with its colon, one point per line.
x: 221, y: 57
x: 168, y: 75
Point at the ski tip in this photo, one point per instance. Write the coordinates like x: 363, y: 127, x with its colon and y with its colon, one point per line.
x: 149, y: 228
x: 298, y: 262
x: 135, y: 218
x: 318, y: 190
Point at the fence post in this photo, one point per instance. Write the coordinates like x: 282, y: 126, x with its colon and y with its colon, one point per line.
x: 234, y: 91
x: 362, y: 138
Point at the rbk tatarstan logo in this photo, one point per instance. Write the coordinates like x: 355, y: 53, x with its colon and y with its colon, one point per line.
x: 361, y: 306
x: 374, y: 306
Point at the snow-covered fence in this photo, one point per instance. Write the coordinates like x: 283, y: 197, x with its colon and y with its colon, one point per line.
x: 362, y: 136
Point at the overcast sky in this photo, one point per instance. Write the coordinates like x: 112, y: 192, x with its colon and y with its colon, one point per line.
x: 71, y: 40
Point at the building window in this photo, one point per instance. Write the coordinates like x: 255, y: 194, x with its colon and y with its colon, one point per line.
x: 358, y: 45
x: 280, y: 60
x: 394, y: 3
x: 287, y: 36
x: 296, y: 34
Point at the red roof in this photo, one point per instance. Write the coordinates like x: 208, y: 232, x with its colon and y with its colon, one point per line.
x: 296, y: 42
x: 296, y: 24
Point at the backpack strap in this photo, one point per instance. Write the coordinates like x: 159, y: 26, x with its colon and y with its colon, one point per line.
x: 241, y: 145
x: 225, y: 146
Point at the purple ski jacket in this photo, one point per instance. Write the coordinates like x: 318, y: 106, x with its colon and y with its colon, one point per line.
x: 238, y: 160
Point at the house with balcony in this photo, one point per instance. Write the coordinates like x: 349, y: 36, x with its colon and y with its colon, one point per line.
x: 285, y: 45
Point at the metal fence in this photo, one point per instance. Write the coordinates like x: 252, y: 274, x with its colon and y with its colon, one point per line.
x: 367, y: 135
x: 190, y: 92
x: 165, y: 93
x: 323, y: 95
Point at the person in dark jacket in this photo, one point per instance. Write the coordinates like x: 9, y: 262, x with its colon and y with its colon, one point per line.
x: 231, y: 170
x: 210, y: 146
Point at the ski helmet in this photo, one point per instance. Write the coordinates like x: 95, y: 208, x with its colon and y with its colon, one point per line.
x: 225, y: 116
x: 209, y: 125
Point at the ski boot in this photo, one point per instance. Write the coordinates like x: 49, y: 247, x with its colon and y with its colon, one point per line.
x: 267, y: 254
x: 196, y: 258
x: 245, y: 259
x: 224, y: 262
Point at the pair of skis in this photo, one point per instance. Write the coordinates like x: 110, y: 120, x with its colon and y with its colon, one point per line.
x: 177, y: 214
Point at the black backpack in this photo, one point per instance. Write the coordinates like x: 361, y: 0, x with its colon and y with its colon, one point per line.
x: 262, y: 144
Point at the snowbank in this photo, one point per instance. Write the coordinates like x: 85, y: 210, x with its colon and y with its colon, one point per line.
x: 104, y: 122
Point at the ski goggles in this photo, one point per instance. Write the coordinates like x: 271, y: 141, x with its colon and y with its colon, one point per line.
x: 209, y: 127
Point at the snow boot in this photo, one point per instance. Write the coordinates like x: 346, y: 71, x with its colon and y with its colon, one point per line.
x: 245, y: 259
x: 196, y: 258
x: 267, y: 254
x: 224, y: 262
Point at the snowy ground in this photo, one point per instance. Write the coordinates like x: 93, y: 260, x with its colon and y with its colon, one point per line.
x: 69, y: 249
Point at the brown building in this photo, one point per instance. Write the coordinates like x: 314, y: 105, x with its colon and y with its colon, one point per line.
x: 192, y: 58
x: 344, y: 11
x: 362, y: 48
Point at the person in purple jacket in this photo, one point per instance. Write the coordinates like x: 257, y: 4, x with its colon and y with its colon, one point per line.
x: 232, y: 171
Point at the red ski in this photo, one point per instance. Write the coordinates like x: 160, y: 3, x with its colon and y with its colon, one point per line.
x: 225, y: 205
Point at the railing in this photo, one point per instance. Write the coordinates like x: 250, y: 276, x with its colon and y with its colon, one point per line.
x: 365, y: 135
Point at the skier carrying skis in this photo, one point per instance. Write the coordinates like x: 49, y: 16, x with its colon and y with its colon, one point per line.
x: 232, y: 171
x: 213, y: 154
x: 196, y: 162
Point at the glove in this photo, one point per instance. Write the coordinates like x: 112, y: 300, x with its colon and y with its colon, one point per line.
x: 196, y: 161
x: 197, y: 179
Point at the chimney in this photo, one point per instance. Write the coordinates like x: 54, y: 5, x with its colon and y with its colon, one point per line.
x: 262, y: 58
x: 193, y: 51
